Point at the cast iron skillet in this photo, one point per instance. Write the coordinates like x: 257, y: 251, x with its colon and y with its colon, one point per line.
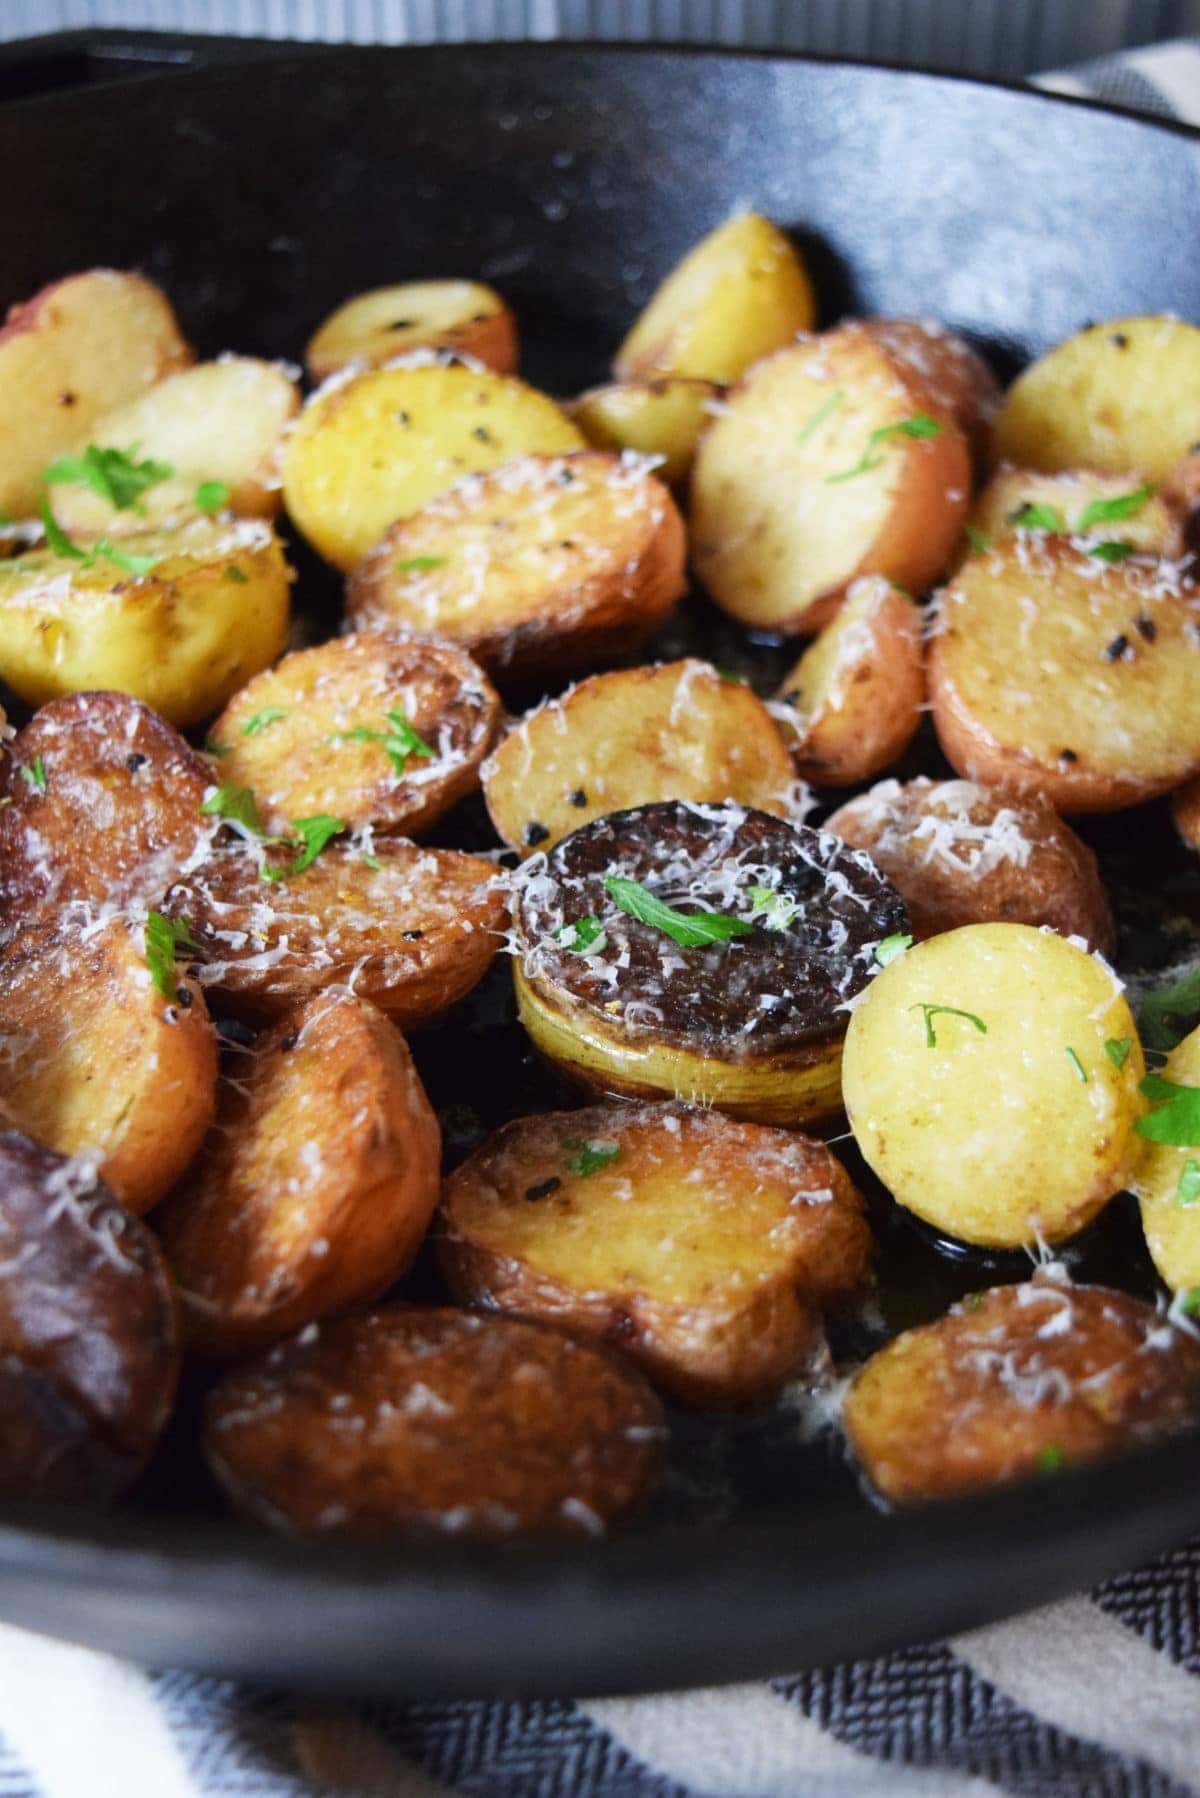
x: 262, y: 193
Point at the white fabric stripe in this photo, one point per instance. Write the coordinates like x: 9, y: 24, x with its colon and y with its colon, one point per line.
x: 1174, y: 69
x: 749, y: 1742
x: 86, y: 1725
x: 1064, y: 84
x: 1084, y: 1672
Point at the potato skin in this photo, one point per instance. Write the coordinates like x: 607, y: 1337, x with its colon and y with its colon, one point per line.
x: 704, y: 1250
x: 1185, y: 809
x: 1016, y: 1381
x: 662, y: 417
x: 1170, y: 1217
x: 375, y: 327
x: 1013, y: 1122
x: 484, y: 1427
x: 956, y: 375
x: 315, y: 1185
x: 959, y: 853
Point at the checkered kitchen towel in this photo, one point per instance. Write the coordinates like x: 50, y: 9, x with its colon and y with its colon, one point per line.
x: 1097, y: 1697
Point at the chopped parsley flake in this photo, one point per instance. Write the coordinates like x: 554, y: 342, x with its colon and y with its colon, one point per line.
x: 212, y: 747
x: 399, y: 740
x: 1111, y: 511
x: 165, y: 937
x: 690, y: 930
x: 979, y: 540
x: 1187, y: 1193
x: 420, y: 564
x: 1119, y: 550
x: 1176, y: 1115
x: 34, y: 774
x: 929, y: 1012
x: 820, y: 415
x: 1160, y: 1012
x: 102, y: 550
x: 1051, y: 1458
x: 586, y: 936
x: 237, y: 805
x: 919, y: 425
x: 112, y: 473
x: 1117, y: 1049
x: 1080, y: 1071
x: 372, y: 861
x: 211, y: 496
x: 312, y: 835
x: 891, y: 947
x: 775, y: 910
x: 1191, y: 1302
x: 270, y: 714
x: 235, y: 575
x: 590, y: 1156
x: 1035, y: 516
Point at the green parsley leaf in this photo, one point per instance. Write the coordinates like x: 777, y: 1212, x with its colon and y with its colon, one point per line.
x: 730, y: 676
x: 372, y: 861
x: 211, y: 496
x: 399, y: 740
x: 1033, y: 516
x: 820, y: 415
x: 1117, y: 551
x: 1051, y: 1458
x: 1080, y: 1071
x: 919, y: 425
x: 236, y: 576
x: 979, y: 540
x: 1188, y: 1191
x: 973, y: 1301
x: 690, y: 930
x: 238, y: 805
x: 777, y: 911
x: 34, y: 773
x: 1161, y: 1012
x: 1176, y: 1117
x: 1117, y: 1049
x: 164, y: 938
x: 270, y: 714
x: 891, y: 947
x: 112, y: 473
x: 590, y: 1157
x: 212, y: 747
x: 929, y: 1012
x: 103, y: 550
x: 312, y: 835
x: 1191, y: 1302
x: 56, y: 537
x: 420, y: 564
x: 586, y: 936
x: 1111, y: 511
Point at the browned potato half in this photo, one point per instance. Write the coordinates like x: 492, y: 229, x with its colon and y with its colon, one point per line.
x: 858, y: 692
x: 94, y: 1059
x: 370, y: 728
x: 1180, y: 493
x: 653, y: 418
x: 99, y: 806
x: 89, y: 1337
x: 540, y: 568
x: 315, y: 1185
x: 1056, y: 673
x: 1017, y: 1381
x: 679, y: 730
x: 1168, y: 1186
x: 373, y: 328
x: 703, y: 952
x: 1185, y: 808
x: 958, y: 378
x: 831, y: 460
x: 1081, y: 502
x: 435, y: 1422
x: 962, y: 854
x: 212, y: 433
x: 413, y: 929
x: 377, y: 446
x: 78, y: 348
x: 703, y: 1248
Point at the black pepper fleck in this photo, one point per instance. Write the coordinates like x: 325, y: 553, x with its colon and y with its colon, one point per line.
x: 535, y: 833
x: 481, y: 433
x: 290, y: 1041
x: 183, y: 997
x: 544, y: 1188
x: 565, y: 477
x: 402, y: 324
x: 66, y: 399
x: 135, y: 761
x: 1067, y: 755
x: 412, y: 936
x: 1146, y: 628
x: 1119, y: 340
x: 1116, y: 648
x: 402, y: 418
x: 579, y: 797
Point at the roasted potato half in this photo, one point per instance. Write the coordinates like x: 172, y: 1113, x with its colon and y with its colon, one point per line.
x: 1115, y: 396
x: 991, y: 1080
x: 203, y: 439
x: 1168, y: 1182
x: 652, y: 418
x: 679, y: 730
x: 413, y: 929
x: 77, y: 349
x: 539, y: 569
x: 739, y: 293
x: 370, y: 728
x: 858, y: 692
x: 435, y: 1423
x: 1185, y: 809
x: 831, y: 460
x: 703, y: 1248
x: 89, y: 1336
x: 315, y: 1185
x: 1080, y: 502
x: 378, y: 446
x: 1018, y: 1381
x: 376, y: 327
x: 958, y: 378
x: 959, y: 853
x: 95, y: 1059
x: 99, y: 805
x: 1055, y: 673
x: 738, y: 1001
x: 180, y: 619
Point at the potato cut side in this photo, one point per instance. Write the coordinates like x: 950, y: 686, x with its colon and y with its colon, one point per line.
x: 1185, y: 809
x: 981, y: 1087
x: 315, y: 1185
x: 76, y: 350
x: 415, y: 929
x: 858, y: 692
x: 741, y: 292
x: 372, y: 729
x: 99, y: 806
x: 375, y: 327
x: 652, y: 418
x: 542, y: 567
x: 704, y: 1249
x: 433, y: 1423
x: 95, y: 1060
x: 1116, y: 396
x: 1054, y: 672
x: 959, y: 853
x: 214, y: 431
x: 679, y: 730
x: 1019, y: 1381
x: 376, y: 447
x: 957, y: 377
x: 1168, y: 1187
x: 182, y: 626
x: 1120, y: 508
x: 830, y: 461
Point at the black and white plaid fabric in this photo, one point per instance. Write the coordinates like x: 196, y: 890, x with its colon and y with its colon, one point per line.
x: 1097, y: 1697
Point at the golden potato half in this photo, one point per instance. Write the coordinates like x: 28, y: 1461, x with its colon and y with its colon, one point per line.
x: 1168, y: 1185
x: 375, y: 327
x: 653, y: 418
x: 1121, y: 508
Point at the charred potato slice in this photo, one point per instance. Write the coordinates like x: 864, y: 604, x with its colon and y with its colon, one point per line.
x: 99, y: 804
x: 703, y: 1248
x: 737, y: 294
x: 181, y: 621
x: 1052, y: 672
x: 1119, y: 508
x: 415, y: 929
x: 831, y: 460
x: 368, y: 728
x: 379, y: 446
x: 859, y: 690
x: 89, y: 1338
x: 676, y: 731
x: 540, y: 568
x: 652, y: 418
x: 95, y: 1060
x: 961, y: 854
x: 991, y: 1080
x: 435, y: 1423
x: 1185, y: 808
x: 751, y: 1022
x: 1168, y: 1185
x: 958, y: 378
x: 375, y: 327
x: 1018, y: 1381
x: 315, y: 1186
